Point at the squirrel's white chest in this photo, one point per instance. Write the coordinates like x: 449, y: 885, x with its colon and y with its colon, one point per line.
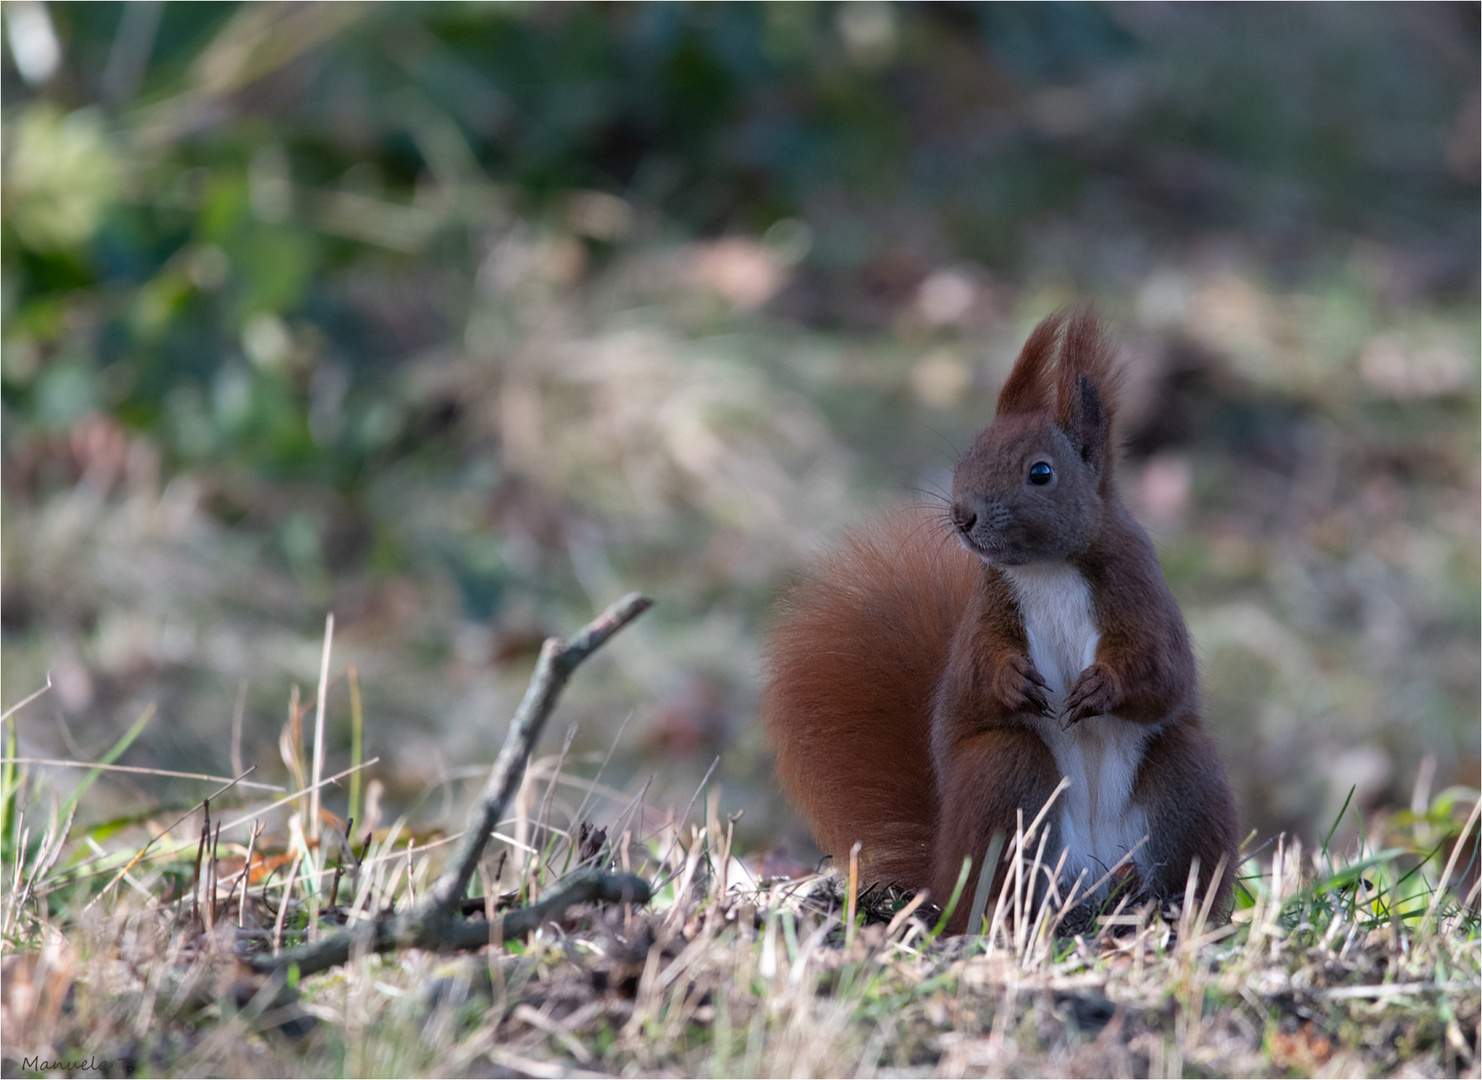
x: 1055, y: 604
x: 1099, y: 822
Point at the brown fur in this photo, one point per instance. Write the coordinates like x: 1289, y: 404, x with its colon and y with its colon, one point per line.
x: 988, y: 763
x: 1144, y: 668
x: 1027, y: 389
x: 995, y: 774
x: 852, y: 664
x: 989, y: 679
x: 1183, y: 785
x: 902, y: 697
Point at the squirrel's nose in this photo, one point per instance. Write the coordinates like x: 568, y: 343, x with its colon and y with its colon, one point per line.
x: 963, y: 518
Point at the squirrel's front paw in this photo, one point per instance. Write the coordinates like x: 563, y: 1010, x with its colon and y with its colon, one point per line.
x: 1020, y: 686
x: 1094, y: 694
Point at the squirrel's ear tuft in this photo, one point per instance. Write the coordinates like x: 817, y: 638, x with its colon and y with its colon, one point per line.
x: 1028, y: 387
x: 1086, y: 394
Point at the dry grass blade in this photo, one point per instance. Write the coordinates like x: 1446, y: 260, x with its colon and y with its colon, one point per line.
x: 74, y: 874
x: 291, y: 796
x: 23, y: 702
x: 1435, y: 902
x: 63, y: 763
x: 159, y: 836
x: 320, y: 700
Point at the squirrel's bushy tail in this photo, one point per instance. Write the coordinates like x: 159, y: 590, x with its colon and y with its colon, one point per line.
x: 852, y: 667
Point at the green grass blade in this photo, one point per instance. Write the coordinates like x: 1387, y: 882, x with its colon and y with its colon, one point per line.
x: 967, y: 865
x: 114, y: 753
x: 1328, y: 839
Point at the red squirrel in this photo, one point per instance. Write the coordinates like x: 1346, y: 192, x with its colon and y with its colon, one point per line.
x: 938, y: 674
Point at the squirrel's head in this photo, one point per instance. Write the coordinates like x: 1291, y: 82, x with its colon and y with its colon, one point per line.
x: 1033, y: 485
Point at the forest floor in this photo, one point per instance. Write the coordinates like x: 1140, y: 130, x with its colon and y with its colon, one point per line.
x: 124, y: 957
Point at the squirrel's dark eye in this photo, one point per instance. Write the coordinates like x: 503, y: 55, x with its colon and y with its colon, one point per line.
x: 1041, y: 473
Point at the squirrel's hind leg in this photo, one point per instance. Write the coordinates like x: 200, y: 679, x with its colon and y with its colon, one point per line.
x: 992, y: 776
x: 1190, y: 814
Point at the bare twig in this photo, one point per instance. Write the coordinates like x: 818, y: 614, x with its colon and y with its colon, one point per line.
x: 558, y: 659
x: 435, y: 923
x: 413, y: 930
x: 212, y: 878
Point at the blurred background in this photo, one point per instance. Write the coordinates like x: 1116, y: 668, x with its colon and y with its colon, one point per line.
x: 460, y: 320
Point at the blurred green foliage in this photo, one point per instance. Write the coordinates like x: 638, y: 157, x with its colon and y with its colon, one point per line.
x: 204, y: 227
x: 515, y: 302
